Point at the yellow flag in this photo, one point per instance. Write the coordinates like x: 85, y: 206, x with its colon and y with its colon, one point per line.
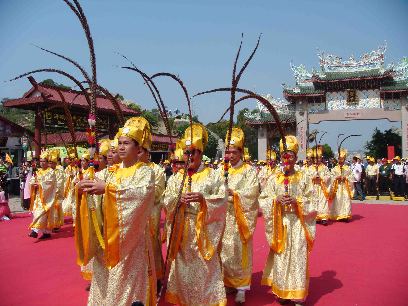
x: 8, y: 159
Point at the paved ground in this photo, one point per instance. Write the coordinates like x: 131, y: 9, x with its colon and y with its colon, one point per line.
x: 15, y: 203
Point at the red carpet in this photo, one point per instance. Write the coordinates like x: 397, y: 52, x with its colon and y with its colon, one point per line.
x: 363, y: 262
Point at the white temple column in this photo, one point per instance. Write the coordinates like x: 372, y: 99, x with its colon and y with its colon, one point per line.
x: 302, y: 127
x: 262, y: 142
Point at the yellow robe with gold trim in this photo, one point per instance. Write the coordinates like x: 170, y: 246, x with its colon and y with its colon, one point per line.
x: 69, y: 201
x: 160, y: 184
x: 341, y: 193
x: 320, y: 193
x: 265, y: 173
x: 124, y: 271
x: 194, y: 280
x: 242, y: 213
x: 43, y: 198
x: 286, y: 270
x: 57, y: 214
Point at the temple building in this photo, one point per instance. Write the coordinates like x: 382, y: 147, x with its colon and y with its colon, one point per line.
x: 344, y: 90
x: 51, y: 123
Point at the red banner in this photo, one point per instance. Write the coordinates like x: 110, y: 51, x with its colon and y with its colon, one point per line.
x: 391, y: 152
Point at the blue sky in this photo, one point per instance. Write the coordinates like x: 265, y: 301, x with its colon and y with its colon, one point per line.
x: 198, y: 40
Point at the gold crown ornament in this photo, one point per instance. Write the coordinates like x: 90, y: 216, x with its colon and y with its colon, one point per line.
x: 104, y: 146
x: 53, y: 155
x: 196, y: 137
x: 138, y: 129
x: 291, y: 144
x: 309, y: 153
x: 343, y: 153
x: 270, y: 154
x: 71, y: 152
x: 86, y: 156
x: 237, y: 138
x: 45, y: 155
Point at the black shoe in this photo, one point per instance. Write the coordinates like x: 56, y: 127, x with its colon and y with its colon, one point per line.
x: 56, y: 230
x: 283, y: 301
x: 324, y: 222
x: 45, y: 236
x: 33, y: 234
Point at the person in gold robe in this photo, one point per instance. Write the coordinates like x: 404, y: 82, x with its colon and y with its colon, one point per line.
x: 195, y: 276
x: 154, y: 222
x: 320, y: 176
x: 93, y: 200
x: 57, y: 214
x: 290, y: 228
x: 341, y: 190
x: 270, y: 169
x: 43, y: 198
x: 123, y: 266
x: 242, y: 213
x: 71, y: 171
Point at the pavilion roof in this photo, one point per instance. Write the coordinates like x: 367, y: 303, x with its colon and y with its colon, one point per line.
x: 44, y: 96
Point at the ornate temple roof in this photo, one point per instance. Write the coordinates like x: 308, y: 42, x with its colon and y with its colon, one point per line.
x: 336, y: 74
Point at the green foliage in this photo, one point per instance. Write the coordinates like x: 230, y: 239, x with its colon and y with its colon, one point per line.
x: 219, y: 128
x: 251, y: 134
x: 151, y: 117
x: 19, y: 116
x: 181, y: 128
x: 377, y: 146
x: 211, y: 148
x: 51, y: 82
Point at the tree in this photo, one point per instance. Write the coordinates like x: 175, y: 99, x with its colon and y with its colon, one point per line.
x: 251, y: 134
x: 21, y: 117
x: 51, y: 82
x: 211, y: 148
x: 377, y: 146
x: 219, y: 128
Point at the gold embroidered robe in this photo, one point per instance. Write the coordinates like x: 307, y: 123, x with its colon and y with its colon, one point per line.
x: 290, y: 236
x: 341, y: 193
x: 123, y: 272
x: 154, y: 222
x: 320, y: 193
x: 69, y: 201
x: 265, y: 173
x: 195, y: 275
x: 57, y: 215
x: 43, y: 198
x: 242, y: 213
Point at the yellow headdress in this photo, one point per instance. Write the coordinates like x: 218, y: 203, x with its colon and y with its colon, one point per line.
x: 270, y: 154
x: 397, y: 158
x: 71, y: 152
x: 309, y: 153
x: 247, y: 157
x: 44, y: 155
x: 237, y: 138
x: 291, y: 144
x: 138, y: 129
x: 114, y: 144
x: 179, y: 152
x: 53, y: 155
x: 343, y: 153
x: 319, y: 151
x: 104, y: 146
x: 199, y: 137
x: 86, y: 156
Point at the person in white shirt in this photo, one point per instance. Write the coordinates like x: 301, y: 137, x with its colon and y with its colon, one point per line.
x: 397, y: 170
x: 357, y: 171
